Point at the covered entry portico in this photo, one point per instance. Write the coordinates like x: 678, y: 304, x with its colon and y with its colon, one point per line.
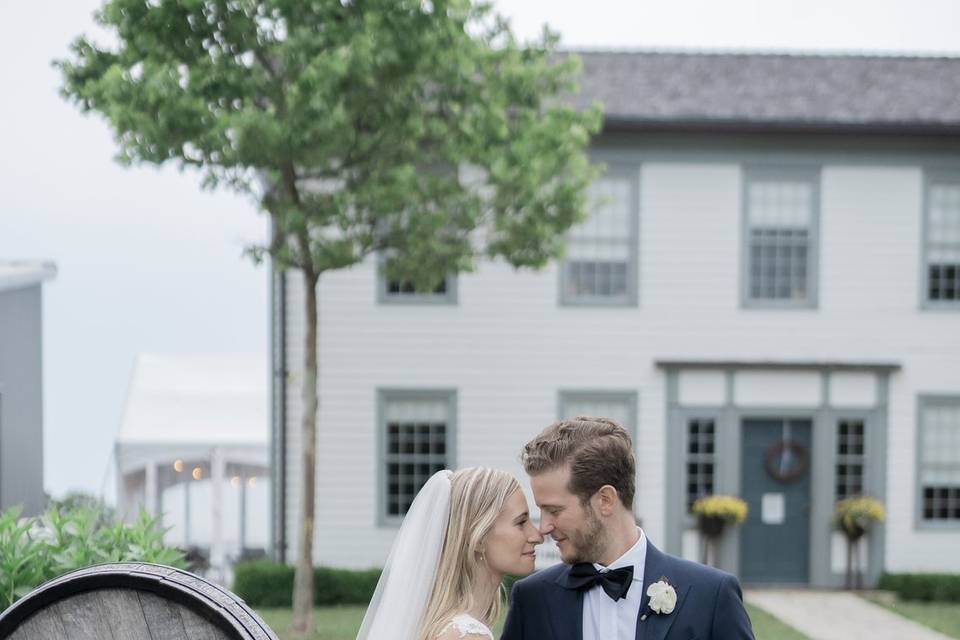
x: 790, y: 438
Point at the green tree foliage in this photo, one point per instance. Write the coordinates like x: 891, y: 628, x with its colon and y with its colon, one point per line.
x: 418, y: 129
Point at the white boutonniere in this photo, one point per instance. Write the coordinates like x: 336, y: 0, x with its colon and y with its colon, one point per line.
x: 663, y: 598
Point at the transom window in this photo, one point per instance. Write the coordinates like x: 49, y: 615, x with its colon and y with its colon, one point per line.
x: 942, y: 241
x: 417, y: 442
x: 850, y: 458
x: 781, y: 238
x: 600, y: 263
x: 406, y: 288
x: 390, y: 291
x: 701, y: 458
x: 939, y: 459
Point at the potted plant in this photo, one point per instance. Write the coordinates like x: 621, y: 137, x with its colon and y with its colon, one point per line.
x: 714, y: 513
x: 854, y: 517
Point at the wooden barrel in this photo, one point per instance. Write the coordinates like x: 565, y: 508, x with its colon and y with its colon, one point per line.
x: 131, y: 601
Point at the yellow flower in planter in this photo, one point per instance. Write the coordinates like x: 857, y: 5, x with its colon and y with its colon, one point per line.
x: 729, y: 508
x: 854, y: 515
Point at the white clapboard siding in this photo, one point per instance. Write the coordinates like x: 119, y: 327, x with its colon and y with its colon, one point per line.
x: 508, y: 347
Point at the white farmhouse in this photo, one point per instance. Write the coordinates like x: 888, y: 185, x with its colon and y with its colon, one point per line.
x: 772, y: 264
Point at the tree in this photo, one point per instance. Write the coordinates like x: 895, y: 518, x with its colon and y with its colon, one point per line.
x: 351, y: 122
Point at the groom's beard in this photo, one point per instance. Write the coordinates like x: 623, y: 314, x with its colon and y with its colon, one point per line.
x: 589, y: 543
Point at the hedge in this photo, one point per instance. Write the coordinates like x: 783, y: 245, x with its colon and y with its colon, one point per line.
x: 269, y: 584
x: 925, y: 587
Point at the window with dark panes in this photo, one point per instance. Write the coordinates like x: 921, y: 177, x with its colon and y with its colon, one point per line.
x: 850, y: 458
x: 942, y: 242
x: 416, y: 446
x: 939, y: 473
x: 780, y: 239
x: 601, y: 253
x: 701, y: 458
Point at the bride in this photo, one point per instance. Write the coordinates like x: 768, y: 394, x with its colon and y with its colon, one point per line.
x: 464, y: 531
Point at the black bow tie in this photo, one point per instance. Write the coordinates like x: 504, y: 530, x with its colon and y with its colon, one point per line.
x: 615, y: 582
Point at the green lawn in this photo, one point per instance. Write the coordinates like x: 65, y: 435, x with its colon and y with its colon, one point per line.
x: 940, y: 616
x: 341, y: 623
x: 333, y: 623
x: 766, y: 627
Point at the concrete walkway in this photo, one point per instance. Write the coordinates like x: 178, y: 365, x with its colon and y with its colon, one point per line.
x: 836, y: 615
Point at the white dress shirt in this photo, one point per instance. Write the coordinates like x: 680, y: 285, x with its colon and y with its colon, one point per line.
x: 604, y: 619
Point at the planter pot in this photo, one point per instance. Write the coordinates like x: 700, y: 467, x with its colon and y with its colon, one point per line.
x: 711, y: 526
x: 854, y: 532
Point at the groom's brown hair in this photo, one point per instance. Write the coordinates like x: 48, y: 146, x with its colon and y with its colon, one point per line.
x: 598, y: 450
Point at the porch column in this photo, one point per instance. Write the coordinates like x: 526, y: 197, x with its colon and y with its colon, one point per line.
x: 217, y: 472
x: 150, y: 489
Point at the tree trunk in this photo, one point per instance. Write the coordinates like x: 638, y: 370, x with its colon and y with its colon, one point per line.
x: 303, y: 586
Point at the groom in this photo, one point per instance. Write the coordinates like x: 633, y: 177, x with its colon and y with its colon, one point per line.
x: 613, y: 583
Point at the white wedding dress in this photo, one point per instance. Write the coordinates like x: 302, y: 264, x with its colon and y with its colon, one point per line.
x: 400, y: 599
x: 465, y: 624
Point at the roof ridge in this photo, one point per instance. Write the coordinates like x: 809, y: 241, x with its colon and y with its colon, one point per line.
x: 762, y: 53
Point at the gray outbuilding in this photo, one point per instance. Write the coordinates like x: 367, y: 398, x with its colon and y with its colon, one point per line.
x: 21, y: 383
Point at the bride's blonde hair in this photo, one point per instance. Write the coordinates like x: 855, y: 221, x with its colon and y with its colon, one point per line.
x: 477, y: 496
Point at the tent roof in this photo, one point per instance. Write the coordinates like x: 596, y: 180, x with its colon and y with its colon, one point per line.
x: 189, y: 399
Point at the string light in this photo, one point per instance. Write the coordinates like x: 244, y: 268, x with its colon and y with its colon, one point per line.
x: 178, y: 466
x: 197, y: 473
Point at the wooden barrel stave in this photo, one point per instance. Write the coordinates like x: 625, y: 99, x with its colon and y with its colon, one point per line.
x: 133, y: 602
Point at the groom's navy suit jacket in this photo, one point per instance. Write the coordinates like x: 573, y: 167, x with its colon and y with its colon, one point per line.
x: 709, y: 604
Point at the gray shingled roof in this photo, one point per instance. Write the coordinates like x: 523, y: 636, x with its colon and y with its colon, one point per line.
x: 773, y: 91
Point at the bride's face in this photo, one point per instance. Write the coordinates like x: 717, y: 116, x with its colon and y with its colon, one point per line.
x: 509, y: 547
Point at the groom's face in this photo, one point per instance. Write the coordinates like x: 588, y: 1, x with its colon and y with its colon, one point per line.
x: 573, y: 525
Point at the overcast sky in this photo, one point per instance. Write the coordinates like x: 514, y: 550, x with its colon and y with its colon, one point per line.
x: 150, y: 263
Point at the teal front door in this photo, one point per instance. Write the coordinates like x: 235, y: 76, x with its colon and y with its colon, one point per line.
x: 775, y: 482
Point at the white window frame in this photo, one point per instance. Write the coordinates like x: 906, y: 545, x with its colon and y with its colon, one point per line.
x: 933, y: 177
x: 386, y: 396
x: 805, y: 174
x: 925, y: 402
x: 630, y: 173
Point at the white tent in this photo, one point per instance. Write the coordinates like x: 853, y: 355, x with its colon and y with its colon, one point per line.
x: 197, y: 422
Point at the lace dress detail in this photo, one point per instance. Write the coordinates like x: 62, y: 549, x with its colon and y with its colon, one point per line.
x: 465, y: 623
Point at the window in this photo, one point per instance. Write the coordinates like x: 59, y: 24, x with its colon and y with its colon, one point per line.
x: 601, y: 260
x: 850, y: 458
x: 780, y: 238
x: 403, y: 292
x: 939, y: 459
x: 701, y: 458
x: 417, y: 441
x: 616, y: 405
x: 942, y: 242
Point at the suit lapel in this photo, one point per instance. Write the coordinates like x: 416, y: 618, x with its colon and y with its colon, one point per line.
x: 566, y: 609
x: 656, y: 566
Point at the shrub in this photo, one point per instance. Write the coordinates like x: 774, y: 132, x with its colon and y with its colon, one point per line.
x: 925, y: 587
x: 65, y: 538
x: 264, y: 583
x: 270, y: 584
